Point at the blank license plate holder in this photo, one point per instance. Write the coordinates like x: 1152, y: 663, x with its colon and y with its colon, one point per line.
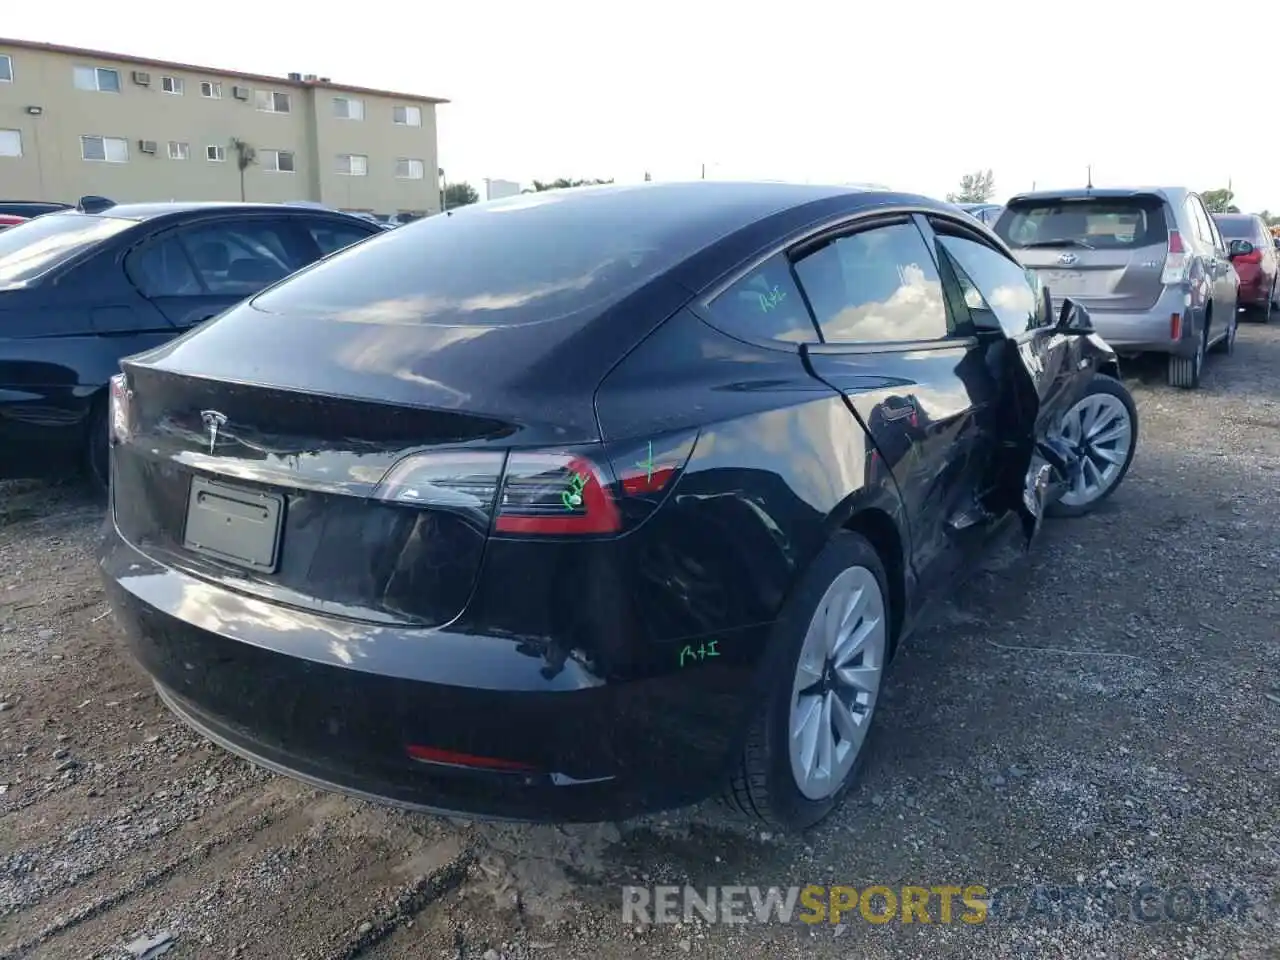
x: 234, y: 524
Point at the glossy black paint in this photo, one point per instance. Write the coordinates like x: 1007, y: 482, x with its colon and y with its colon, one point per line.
x: 62, y: 336
x: 389, y: 625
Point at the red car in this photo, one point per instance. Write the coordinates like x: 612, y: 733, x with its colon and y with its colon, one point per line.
x: 1256, y: 269
x: 8, y: 220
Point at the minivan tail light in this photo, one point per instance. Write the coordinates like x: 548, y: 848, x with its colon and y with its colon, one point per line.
x: 1255, y: 257
x: 120, y: 409
x: 1175, y: 261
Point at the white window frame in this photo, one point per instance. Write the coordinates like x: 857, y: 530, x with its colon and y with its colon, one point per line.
x: 352, y: 165
x: 422, y: 168
x: 355, y: 108
x: 8, y: 60
x: 177, y: 86
x: 17, y: 139
x: 76, y: 73
x: 219, y: 153
x: 183, y: 151
x: 407, y: 108
x: 274, y: 155
x: 271, y: 99
x: 214, y: 87
x: 105, y: 158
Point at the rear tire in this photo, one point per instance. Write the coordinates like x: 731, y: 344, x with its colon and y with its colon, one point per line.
x: 1227, y: 345
x: 1108, y: 441
x: 1184, y: 372
x: 774, y: 783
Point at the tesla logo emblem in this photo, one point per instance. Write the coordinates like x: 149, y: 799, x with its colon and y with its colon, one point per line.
x: 1068, y: 259
x: 213, y: 422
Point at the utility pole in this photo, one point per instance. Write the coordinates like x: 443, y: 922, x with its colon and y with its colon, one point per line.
x: 704, y: 171
x: 1089, y: 168
x: 444, y: 191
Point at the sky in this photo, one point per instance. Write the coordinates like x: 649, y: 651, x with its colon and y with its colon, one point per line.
x: 908, y: 94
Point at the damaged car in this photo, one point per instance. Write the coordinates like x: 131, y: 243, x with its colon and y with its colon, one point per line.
x: 592, y: 502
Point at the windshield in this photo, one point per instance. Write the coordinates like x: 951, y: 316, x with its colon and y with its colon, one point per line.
x: 1097, y: 223
x: 37, y: 246
x: 532, y: 258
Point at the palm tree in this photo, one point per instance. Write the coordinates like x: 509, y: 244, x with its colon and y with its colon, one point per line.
x: 245, y: 157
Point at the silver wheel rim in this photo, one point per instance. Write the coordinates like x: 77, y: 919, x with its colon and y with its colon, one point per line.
x: 837, y: 682
x: 1100, y: 431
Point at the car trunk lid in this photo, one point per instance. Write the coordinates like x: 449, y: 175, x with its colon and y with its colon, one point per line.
x: 1107, y: 253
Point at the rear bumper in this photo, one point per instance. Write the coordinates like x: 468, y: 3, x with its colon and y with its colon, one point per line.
x: 1150, y: 331
x: 1253, y: 293
x: 337, y: 703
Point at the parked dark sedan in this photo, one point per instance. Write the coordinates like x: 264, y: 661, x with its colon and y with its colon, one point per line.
x: 593, y: 501
x: 78, y: 291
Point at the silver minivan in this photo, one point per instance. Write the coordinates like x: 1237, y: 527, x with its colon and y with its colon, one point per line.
x: 1149, y: 264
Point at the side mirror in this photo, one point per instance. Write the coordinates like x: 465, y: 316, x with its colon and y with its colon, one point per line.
x: 1239, y: 248
x: 1277, y: 243
x: 1074, y: 318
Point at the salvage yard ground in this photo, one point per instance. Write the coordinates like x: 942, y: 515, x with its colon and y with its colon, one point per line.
x: 1103, y: 711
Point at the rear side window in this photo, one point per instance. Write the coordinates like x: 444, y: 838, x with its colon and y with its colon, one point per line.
x: 162, y: 269
x: 240, y: 257
x: 37, y: 246
x: 1237, y: 228
x: 876, y: 285
x: 1101, y: 223
x: 764, y: 305
x: 996, y: 290
x: 331, y: 236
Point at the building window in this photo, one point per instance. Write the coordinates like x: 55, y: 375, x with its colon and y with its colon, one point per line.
x: 10, y: 143
x: 172, y: 85
x: 105, y: 149
x: 407, y: 116
x: 179, y: 150
x: 269, y: 101
x: 215, y: 153
x: 211, y: 89
x: 352, y: 165
x: 409, y: 169
x: 345, y: 108
x: 6, y: 68
x: 97, y: 78
x: 277, y: 161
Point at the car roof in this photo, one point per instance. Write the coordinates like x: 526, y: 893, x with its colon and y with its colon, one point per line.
x: 1102, y: 193
x: 724, y: 206
x: 150, y: 211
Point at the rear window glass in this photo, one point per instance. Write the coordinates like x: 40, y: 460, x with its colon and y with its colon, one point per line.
x: 1237, y: 228
x: 1100, y: 223
x: 523, y: 260
x: 33, y: 248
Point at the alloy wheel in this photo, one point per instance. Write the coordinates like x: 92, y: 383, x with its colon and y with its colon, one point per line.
x: 837, y: 682
x: 1098, y: 428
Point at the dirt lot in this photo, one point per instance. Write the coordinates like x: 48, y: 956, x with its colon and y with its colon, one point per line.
x: 1101, y: 712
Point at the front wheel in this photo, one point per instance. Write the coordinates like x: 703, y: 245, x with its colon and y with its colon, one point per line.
x: 805, y: 747
x: 1101, y: 429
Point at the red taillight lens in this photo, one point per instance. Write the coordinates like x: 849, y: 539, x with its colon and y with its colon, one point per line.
x: 578, y: 491
x: 1175, y: 242
x: 1175, y: 262
x: 1255, y: 257
x: 120, y: 412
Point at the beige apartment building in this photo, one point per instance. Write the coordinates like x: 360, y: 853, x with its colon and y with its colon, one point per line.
x: 75, y: 122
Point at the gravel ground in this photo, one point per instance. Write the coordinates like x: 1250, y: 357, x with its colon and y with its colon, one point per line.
x: 1104, y: 711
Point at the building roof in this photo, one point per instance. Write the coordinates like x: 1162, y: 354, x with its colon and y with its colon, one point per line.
x: 213, y: 71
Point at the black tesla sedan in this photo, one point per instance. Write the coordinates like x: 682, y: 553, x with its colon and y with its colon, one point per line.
x: 593, y: 501
x: 79, y: 290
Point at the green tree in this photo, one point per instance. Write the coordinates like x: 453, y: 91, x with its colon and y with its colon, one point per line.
x: 1219, y: 201
x: 246, y: 157
x: 563, y: 183
x: 977, y: 187
x: 459, y: 195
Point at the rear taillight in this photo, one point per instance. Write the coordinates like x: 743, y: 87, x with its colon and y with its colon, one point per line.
x: 572, y: 492
x: 1254, y: 258
x: 120, y: 409
x: 1175, y: 261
